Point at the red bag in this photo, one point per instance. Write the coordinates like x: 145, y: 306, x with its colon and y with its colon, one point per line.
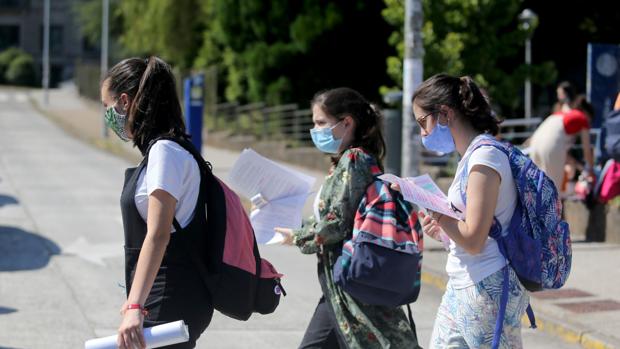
x: 610, y: 185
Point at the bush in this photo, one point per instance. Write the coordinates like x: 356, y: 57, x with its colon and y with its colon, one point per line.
x: 6, y: 57
x: 21, y: 71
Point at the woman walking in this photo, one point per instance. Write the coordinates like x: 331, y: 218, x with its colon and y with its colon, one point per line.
x: 454, y: 114
x: 347, y: 126
x: 158, y: 202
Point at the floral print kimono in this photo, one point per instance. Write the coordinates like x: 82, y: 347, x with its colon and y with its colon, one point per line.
x: 361, y: 325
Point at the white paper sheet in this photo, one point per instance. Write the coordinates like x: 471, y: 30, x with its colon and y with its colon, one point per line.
x: 155, y: 337
x: 423, y: 192
x: 278, y: 194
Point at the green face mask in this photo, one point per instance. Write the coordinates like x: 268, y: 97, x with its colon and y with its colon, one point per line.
x: 116, y: 122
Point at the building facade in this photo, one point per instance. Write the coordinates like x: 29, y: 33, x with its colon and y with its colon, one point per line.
x: 21, y: 25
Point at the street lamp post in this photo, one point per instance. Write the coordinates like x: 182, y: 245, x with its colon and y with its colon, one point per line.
x: 412, y: 77
x: 105, y: 14
x: 529, y: 21
x: 46, y: 52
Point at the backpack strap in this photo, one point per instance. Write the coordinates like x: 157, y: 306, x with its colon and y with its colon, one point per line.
x: 503, y: 302
x: 412, y: 323
x: 496, y: 227
x: 530, y: 315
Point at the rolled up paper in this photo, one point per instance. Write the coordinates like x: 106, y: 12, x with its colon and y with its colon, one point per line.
x: 155, y: 337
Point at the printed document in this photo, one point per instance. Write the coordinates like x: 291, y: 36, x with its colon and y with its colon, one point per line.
x: 155, y: 337
x: 423, y: 192
x: 278, y: 194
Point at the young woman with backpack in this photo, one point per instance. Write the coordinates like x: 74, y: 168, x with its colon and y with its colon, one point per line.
x: 160, y: 194
x: 348, y: 127
x: 454, y: 115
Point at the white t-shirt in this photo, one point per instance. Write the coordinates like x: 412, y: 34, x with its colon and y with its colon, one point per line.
x: 463, y: 268
x: 174, y: 170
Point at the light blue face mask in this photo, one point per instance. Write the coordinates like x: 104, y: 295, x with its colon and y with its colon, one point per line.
x: 324, y: 140
x: 439, y: 140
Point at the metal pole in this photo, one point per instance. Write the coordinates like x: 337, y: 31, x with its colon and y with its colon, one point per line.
x: 528, y: 82
x: 46, y: 52
x: 412, y: 77
x: 105, y: 14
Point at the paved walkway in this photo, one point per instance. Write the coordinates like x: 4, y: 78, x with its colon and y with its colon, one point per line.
x: 61, y: 263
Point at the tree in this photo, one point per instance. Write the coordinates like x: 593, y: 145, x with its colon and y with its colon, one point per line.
x: 275, y: 51
x: 21, y: 70
x: 88, y: 16
x: 282, y: 51
x: 6, y: 57
x: 480, y: 38
x: 166, y: 28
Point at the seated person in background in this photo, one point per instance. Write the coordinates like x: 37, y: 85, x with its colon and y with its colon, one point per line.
x: 550, y: 143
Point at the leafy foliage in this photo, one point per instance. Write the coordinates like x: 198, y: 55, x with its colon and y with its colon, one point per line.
x: 481, y: 38
x: 17, y: 67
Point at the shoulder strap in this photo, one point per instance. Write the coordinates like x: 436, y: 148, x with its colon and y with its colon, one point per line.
x: 496, y: 227
x: 485, y: 142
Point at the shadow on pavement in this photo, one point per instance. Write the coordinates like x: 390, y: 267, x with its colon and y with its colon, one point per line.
x: 5, y: 310
x: 22, y: 250
x: 7, y: 200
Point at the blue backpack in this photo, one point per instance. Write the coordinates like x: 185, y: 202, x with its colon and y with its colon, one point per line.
x: 537, y: 243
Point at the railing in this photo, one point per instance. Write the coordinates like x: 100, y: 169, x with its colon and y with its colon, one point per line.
x: 283, y: 122
x: 518, y: 130
x: 291, y: 124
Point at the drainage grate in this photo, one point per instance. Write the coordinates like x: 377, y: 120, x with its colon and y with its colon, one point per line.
x: 592, y: 306
x: 563, y: 293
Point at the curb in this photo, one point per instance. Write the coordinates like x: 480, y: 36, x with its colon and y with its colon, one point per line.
x: 566, y: 332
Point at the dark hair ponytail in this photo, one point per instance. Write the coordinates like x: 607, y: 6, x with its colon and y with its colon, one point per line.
x: 343, y: 101
x: 461, y: 94
x: 154, y: 108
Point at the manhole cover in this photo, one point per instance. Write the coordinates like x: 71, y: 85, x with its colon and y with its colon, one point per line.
x: 563, y: 293
x: 592, y: 306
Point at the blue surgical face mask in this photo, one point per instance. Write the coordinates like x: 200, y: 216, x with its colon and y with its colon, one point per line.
x: 439, y: 140
x: 324, y: 140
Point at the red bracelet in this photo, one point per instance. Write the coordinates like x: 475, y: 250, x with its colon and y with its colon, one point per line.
x: 143, y: 310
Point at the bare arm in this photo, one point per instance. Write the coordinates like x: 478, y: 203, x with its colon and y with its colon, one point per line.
x: 587, y: 149
x: 482, y: 193
x: 160, y: 215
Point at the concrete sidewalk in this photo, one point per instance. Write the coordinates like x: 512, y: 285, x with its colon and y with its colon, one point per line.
x: 586, y: 311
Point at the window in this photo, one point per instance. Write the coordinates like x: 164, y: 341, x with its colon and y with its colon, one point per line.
x: 56, y: 44
x: 9, y: 36
x: 10, y: 4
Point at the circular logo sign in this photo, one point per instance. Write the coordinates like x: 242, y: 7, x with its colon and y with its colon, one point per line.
x: 606, y: 65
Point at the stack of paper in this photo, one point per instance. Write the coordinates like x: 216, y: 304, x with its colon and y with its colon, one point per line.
x: 155, y: 337
x: 277, y: 193
x: 423, y: 192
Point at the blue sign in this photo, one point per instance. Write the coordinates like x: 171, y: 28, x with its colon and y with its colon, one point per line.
x: 193, y: 97
x: 603, y: 82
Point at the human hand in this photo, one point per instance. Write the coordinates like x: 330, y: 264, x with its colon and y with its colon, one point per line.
x: 287, y: 234
x: 395, y: 187
x: 430, y: 226
x: 130, y: 332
